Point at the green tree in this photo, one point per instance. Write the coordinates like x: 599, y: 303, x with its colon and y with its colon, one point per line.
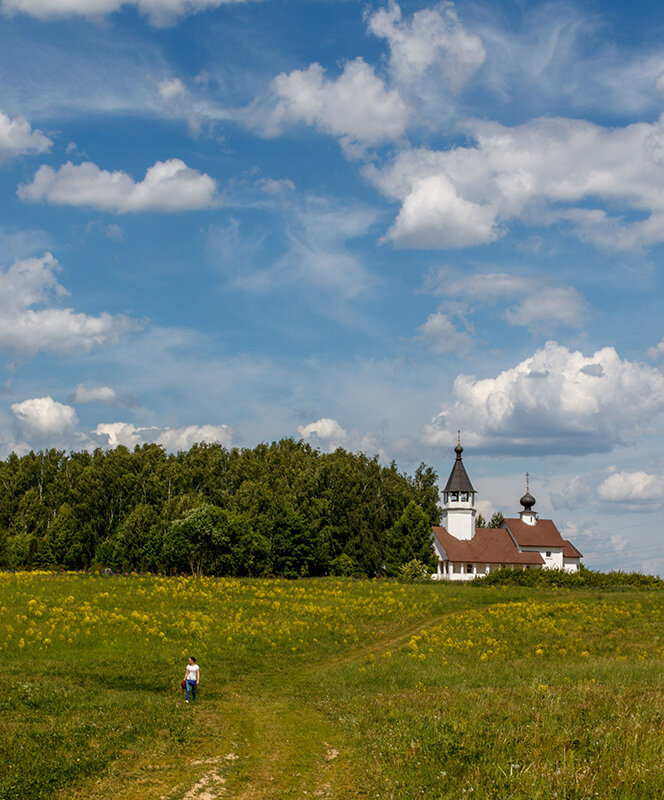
x: 290, y: 508
x: 292, y: 547
x: 66, y: 540
x: 426, y: 486
x: 413, y: 571
x: 212, y: 541
x: 409, y: 539
x: 137, y: 543
x: 345, y: 567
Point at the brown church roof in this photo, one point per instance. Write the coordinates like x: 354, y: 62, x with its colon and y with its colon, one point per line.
x: 488, y: 546
x: 569, y: 551
x: 542, y: 534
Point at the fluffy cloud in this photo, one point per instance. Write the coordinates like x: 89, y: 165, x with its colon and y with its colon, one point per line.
x: 656, y: 352
x: 17, y: 138
x: 172, y: 89
x: 330, y: 435
x: 42, y: 417
x: 632, y: 487
x: 551, y: 403
x: 113, y: 434
x: 627, y: 490
x: 167, y: 186
x: 100, y: 394
x: 26, y: 331
x: 542, y: 172
x: 324, y: 428
x: 432, y: 56
x: 160, y: 12
x: 441, y: 335
x: 432, y: 41
x: 356, y: 107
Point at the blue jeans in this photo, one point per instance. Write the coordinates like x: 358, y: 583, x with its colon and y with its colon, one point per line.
x: 191, y: 686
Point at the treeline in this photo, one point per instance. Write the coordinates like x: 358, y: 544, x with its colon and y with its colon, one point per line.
x: 278, y: 509
x: 585, y: 578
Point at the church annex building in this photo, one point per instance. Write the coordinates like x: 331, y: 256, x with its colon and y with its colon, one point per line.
x: 465, y: 552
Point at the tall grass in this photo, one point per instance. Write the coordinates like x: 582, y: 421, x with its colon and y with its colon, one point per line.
x: 436, y: 691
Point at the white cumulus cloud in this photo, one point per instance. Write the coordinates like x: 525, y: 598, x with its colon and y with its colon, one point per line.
x: 656, y: 352
x: 544, y: 172
x: 25, y: 330
x: 172, y: 89
x: 632, y: 487
x: 432, y: 57
x: 551, y: 403
x: 104, y: 395
x: 625, y: 490
x: 357, y: 107
x: 329, y: 434
x: 113, y: 434
x: 432, y: 41
x: 168, y: 186
x: 441, y: 335
x: 42, y: 417
x: 324, y: 428
x: 18, y: 138
x: 98, y: 394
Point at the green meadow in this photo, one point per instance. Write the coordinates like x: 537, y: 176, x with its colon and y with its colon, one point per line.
x: 327, y: 688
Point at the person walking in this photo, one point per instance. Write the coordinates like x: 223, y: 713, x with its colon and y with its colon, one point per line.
x: 191, y: 677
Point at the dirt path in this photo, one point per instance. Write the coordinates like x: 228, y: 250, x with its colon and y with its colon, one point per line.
x: 259, y: 743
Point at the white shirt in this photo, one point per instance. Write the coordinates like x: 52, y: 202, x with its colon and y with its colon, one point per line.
x: 192, y: 672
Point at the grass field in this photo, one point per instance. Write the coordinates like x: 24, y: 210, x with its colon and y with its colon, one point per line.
x: 327, y: 689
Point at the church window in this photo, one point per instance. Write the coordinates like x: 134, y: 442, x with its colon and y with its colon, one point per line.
x: 454, y: 496
x: 464, y: 497
x: 469, y: 569
x: 548, y: 554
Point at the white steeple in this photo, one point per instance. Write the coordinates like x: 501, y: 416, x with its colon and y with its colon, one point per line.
x: 459, y: 500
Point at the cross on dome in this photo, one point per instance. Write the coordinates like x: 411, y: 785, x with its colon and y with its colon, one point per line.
x: 527, y: 501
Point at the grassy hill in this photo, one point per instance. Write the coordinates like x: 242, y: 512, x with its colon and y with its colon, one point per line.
x: 328, y: 688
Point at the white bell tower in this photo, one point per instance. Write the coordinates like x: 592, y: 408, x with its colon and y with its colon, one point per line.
x: 459, y: 500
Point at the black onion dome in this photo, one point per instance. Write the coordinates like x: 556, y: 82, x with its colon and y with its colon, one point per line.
x: 527, y: 501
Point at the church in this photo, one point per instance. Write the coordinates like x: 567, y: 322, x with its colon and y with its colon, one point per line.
x: 465, y: 552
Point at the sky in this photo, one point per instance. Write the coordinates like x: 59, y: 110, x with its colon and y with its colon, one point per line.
x: 367, y: 225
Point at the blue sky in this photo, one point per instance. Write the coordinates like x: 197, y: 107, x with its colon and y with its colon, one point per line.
x: 368, y: 225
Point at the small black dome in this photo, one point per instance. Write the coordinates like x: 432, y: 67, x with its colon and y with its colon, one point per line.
x: 458, y: 450
x: 527, y: 501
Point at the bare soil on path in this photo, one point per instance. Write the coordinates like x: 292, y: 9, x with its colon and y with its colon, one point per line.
x: 260, y: 742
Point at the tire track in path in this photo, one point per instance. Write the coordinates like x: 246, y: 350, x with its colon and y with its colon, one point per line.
x: 263, y: 741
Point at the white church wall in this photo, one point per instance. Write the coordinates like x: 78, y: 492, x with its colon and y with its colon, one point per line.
x: 553, y: 556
